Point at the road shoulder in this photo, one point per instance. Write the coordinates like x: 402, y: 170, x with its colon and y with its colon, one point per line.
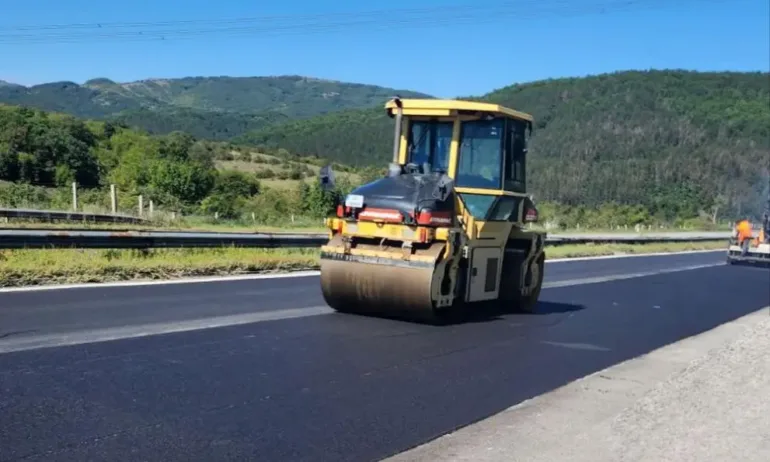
x: 44, y: 284
x: 700, y: 399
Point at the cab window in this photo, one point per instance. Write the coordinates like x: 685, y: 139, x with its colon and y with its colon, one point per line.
x: 491, y: 208
x: 516, y: 149
x: 429, y: 143
x: 480, y: 156
x: 478, y: 205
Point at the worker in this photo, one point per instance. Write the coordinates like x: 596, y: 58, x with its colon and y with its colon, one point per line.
x: 743, y: 233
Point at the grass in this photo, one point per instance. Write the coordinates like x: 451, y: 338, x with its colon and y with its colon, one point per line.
x: 34, y: 267
x: 257, y: 163
x: 39, y: 267
x: 589, y: 250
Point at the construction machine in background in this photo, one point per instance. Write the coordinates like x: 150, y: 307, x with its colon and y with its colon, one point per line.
x: 745, y: 248
x: 445, y: 228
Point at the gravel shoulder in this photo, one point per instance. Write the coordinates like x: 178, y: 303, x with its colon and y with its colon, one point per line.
x: 701, y: 399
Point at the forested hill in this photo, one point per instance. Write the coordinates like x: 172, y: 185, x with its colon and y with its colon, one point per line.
x: 675, y: 141
x: 207, y: 107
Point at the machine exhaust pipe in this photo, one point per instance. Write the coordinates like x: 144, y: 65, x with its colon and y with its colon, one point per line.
x: 397, y: 131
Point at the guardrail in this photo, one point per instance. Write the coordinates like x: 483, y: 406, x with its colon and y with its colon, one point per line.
x: 56, y: 215
x: 637, y: 238
x: 41, y: 239
x: 82, y: 239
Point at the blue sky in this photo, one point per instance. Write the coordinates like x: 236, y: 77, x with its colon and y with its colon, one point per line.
x: 547, y: 39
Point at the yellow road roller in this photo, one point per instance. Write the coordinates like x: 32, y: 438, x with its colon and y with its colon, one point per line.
x: 446, y: 228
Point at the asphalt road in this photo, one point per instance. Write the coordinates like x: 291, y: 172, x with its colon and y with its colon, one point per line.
x: 322, y: 386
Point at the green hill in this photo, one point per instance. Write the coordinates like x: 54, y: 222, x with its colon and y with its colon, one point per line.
x: 678, y: 142
x: 356, y: 137
x: 210, y: 125
x: 207, y: 107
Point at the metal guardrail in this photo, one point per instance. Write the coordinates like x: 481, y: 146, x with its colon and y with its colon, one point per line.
x: 637, y: 238
x: 57, y: 215
x: 42, y: 239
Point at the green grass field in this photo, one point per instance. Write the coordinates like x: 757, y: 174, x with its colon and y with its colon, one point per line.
x: 260, y: 163
x: 40, y: 267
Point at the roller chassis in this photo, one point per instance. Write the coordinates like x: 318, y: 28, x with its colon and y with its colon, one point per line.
x: 429, y: 282
x: 519, y: 284
x: 748, y: 254
x: 527, y: 272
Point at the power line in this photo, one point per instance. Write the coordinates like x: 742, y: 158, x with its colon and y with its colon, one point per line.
x: 379, y: 13
x: 309, y: 24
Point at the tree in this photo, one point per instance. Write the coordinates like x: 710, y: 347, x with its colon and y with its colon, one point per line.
x: 319, y: 202
x: 226, y: 206
x: 235, y: 183
x: 176, y: 146
x: 188, y: 182
x: 9, y: 163
x: 230, y: 193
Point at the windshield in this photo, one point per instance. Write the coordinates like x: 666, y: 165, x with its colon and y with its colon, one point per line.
x: 429, y: 142
x: 480, y: 161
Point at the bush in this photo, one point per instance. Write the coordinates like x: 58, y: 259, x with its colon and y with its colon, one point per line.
x: 235, y: 183
x: 265, y: 174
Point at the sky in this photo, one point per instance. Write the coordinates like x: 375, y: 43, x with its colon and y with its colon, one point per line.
x: 435, y: 51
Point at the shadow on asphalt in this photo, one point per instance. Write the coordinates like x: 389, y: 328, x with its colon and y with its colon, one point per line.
x: 555, y: 308
x: 494, y: 312
x: 484, y: 312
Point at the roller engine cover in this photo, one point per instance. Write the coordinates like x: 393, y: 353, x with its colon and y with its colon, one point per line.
x: 410, y: 193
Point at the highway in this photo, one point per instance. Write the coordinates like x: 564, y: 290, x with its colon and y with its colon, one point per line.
x: 288, y: 380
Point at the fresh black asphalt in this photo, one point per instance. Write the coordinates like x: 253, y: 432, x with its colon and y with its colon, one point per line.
x: 63, y: 311
x: 327, y: 387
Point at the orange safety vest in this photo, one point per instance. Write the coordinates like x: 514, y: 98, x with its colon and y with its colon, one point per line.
x: 744, y: 231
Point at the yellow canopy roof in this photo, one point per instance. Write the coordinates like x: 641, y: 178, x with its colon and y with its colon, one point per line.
x: 449, y: 106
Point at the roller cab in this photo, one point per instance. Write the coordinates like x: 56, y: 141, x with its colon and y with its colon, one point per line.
x: 445, y: 228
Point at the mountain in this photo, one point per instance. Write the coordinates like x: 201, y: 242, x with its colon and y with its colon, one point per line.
x: 209, y: 125
x: 3, y: 83
x: 668, y: 139
x: 207, y: 107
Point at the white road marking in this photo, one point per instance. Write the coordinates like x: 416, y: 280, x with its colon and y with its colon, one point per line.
x: 576, y: 346
x: 119, y: 333
x: 297, y: 274
x: 126, y: 332
x: 617, y: 277
x: 196, y: 280
x: 632, y: 255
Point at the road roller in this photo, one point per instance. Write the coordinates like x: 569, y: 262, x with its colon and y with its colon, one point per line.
x: 446, y: 229
x: 746, y: 249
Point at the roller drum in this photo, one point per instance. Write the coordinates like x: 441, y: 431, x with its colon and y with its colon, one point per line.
x: 378, y: 289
